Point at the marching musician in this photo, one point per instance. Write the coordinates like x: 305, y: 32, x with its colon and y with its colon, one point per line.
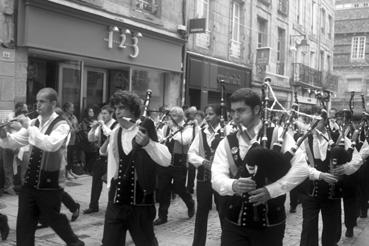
x: 42, y: 191
x: 246, y: 107
x: 199, y: 155
x: 190, y: 115
x: 99, y: 132
x: 133, y: 154
x: 178, y: 137
x: 324, y: 192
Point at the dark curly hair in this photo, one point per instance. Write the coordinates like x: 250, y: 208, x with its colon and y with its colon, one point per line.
x: 129, y: 99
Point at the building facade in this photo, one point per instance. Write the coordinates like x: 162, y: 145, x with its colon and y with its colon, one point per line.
x: 350, y: 60
x: 87, y: 49
x: 298, y: 35
x: 222, y: 52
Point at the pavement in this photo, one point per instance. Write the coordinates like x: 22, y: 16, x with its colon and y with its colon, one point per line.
x: 177, y: 232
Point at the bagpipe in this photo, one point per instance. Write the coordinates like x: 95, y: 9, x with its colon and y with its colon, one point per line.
x: 264, y: 163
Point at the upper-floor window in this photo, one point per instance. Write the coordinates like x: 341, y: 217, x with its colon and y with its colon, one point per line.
x: 330, y: 26
x: 262, y: 32
x: 358, y: 47
x: 281, y: 50
x: 322, y: 20
x: 266, y: 2
x: 236, y: 15
x: 148, y: 6
x: 202, y: 11
x: 283, y: 7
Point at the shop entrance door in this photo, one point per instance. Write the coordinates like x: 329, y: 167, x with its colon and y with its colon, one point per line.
x: 90, y: 91
x: 94, y: 92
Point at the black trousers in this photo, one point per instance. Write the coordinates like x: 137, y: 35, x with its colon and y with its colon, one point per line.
x: 204, y: 194
x: 331, y: 215
x: 69, y: 202
x: 166, y: 175
x: 191, y: 178
x: 90, y: 159
x: 138, y: 220
x: 233, y: 235
x: 100, y: 168
x: 34, y: 203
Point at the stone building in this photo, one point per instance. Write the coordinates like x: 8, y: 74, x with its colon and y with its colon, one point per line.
x: 221, y: 52
x: 350, y: 60
x: 87, y: 49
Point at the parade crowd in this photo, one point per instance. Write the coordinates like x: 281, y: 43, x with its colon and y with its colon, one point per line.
x: 245, y: 158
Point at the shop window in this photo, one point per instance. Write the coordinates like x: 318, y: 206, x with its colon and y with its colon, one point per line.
x: 355, y: 84
x: 142, y: 80
x: 40, y: 73
x: 148, y: 6
x: 118, y: 80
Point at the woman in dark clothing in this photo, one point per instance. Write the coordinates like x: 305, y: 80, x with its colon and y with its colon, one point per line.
x: 89, y: 150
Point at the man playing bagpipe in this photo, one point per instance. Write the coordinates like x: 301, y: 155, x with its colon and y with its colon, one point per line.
x: 253, y: 180
x: 324, y: 191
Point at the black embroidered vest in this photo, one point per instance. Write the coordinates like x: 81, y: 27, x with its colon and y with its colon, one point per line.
x: 36, y: 176
x: 136, y: 179
x: 237, y: 208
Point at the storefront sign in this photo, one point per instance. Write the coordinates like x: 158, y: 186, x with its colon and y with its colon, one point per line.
x: 307, y: 100
x: 197, y: 25
x: 122, y: 43
x: 262, y: 56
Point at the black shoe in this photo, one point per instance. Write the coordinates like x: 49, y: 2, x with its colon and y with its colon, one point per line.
x: 292, y: 210
x: 4, y: 227
x: 191, y: 210
x: 160, y: 221
x: 75, y: 214
x: 77, y: 243
x: 90, y: 210
x: 349, y: 232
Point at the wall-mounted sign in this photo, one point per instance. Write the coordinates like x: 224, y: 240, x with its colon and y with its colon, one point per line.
x: 197, y: 25
x: 307, y: 100
x: 126, y: 39
x: 262, y: 56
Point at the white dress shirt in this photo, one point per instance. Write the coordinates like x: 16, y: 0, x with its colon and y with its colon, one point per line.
x: 36, y: 136
x: 159, y: 153
x: 320, y: 147
x: 194, y: 155
x: 222, y: 182
x: 94, y: 135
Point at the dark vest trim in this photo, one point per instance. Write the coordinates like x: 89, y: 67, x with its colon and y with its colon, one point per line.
x: 36, y: 177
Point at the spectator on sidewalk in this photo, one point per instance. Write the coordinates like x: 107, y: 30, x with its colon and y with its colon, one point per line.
x: 72, y: 158
x: 89, y: 149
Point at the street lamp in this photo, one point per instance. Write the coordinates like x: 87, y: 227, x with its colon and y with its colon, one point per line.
x: 294, y: 44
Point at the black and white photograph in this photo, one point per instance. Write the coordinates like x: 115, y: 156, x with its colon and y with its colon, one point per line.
x: 184, y: 123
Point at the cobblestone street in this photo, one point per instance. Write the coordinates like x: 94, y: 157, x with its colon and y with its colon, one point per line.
x: 178, y: 231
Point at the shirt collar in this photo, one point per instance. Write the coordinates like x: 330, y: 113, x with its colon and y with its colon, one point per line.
x: 255, y: 130
x: 53, y: 116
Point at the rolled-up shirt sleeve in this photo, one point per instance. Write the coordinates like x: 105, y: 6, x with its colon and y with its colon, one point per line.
x: 15, y: 140
x: 159, y: 153
x: 221, y: 181
x: 49, y: 143
x: 194, y: 156
x: 355, y: 163
x: 298, y: 172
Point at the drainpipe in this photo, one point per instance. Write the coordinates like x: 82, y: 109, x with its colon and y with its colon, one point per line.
x: 184, y: 53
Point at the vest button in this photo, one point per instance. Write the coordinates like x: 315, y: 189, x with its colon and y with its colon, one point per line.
x: 48, y: 180
x: 119, y: 182
x: 244, y: 224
